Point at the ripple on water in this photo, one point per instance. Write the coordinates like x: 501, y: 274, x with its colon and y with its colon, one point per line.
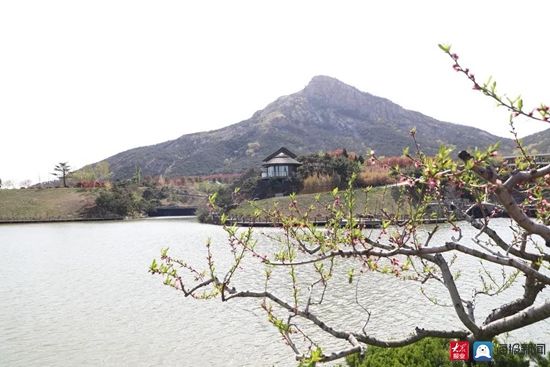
x: 79, y: 294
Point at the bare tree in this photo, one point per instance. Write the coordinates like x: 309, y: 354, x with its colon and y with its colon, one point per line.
x: 311, y: 257
x: 8, y: 184
x: 62, y: 170
x: 25, y: 183
x: 103, y: 171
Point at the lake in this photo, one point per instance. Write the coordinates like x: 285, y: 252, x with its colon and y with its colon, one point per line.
x: 80, y: 294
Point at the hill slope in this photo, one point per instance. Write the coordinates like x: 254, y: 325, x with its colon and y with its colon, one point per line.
x: 538, y: 143
x: 45, y: 204
x: 327, y: 114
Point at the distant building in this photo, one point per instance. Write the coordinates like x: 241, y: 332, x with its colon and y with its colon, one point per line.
x: 280, y: 164
x: 278, y: 175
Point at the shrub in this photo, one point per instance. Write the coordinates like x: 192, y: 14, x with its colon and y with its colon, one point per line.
x: 433, y: 352
x: 379, y: 172
x: 428, y: 352
x: 116, y: 202
x: 375, y: 176
x: 125, y: 200
x: 319, y: 183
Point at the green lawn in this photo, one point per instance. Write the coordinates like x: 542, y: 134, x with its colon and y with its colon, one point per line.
x: 44, y: 204
x: 367, y: 203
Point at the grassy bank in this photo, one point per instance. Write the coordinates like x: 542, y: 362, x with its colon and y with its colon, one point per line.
x: 367, y: 203
x: 45, y: 204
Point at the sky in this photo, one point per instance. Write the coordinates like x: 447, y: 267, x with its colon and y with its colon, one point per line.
x: 83, y: 80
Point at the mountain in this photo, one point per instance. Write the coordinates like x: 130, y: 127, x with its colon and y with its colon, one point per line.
x: 327, y: 114
x: 538, y: 142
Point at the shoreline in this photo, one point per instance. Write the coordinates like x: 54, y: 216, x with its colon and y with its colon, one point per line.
x: 69, y: 220
x: 61, y: 220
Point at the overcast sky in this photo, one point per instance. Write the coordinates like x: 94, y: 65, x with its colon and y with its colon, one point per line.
x: 83, y: 80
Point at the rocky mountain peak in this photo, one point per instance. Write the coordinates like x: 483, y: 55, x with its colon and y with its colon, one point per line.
x: 326, y: 85
x: 327, y: 114
x: 330, y: 92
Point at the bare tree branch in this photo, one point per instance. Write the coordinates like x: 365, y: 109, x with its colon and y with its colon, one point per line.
x: 516, y: 321
x: 419, y: 333
x: 531, y: 290
x: 356, y: 348
x: 526, y: 176
x: 453, y: 292
x: 449, y: 246
x: 507, y: 247
x: 504, y: 194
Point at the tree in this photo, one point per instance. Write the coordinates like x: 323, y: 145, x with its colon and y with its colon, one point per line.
x: 339, y: 165
x: 25, y: 183
x: 92, y: 175
x: 116, y: 202
x: 85, y: 176
x: 8, y: 184
x: 310, y: 259
x: 137, y: 175
x: 124, y: 199
x: 62, y: 170
x: 102, y: 171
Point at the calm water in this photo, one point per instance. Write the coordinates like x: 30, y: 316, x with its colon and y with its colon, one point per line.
x: 79, y: 294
